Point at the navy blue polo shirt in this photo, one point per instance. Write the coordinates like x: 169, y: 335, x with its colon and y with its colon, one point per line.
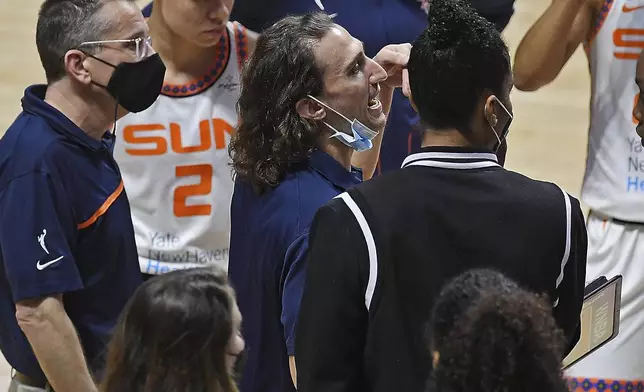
x: 65, y: 229
x: 268, y: 247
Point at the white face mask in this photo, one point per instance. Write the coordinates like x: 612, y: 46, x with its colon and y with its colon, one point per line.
x: 506, y: 127
x: 361, y: 137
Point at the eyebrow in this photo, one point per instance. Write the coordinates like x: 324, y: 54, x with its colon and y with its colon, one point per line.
x: 138, y: 34
x: 357, y: 57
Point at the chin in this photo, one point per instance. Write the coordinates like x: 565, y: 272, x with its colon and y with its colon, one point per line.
x: 376, y: 123
x: 208, y: 42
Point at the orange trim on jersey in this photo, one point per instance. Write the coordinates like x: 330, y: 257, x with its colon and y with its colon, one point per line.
x: 205, y: 82
x: 581, y: 384
x: 103, y: 208
x: 241, y: 43
x: 599, y: 22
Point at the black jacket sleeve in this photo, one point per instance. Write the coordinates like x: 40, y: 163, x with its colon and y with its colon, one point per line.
x: 570, y: 292
x: 332, y: 324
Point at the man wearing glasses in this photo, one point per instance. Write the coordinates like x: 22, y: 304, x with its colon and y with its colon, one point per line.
x: 68, y: 260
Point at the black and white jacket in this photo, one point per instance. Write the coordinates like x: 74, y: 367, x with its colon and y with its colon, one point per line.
x: 381, y: 252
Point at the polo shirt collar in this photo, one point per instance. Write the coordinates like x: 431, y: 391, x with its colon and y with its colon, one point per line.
x: 34, y: 102
x: 459, y: 158
x: 333, y: 171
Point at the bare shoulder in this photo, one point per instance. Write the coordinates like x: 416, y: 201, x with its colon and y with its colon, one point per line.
x: 252, y: 40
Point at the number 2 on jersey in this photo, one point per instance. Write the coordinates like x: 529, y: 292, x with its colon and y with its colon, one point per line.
x: 157, y: 139
x: 203, y: 188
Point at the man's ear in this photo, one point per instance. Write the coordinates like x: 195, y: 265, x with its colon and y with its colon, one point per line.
x: 76, y: 66
x: 490, y: 116
x: 309, y: 109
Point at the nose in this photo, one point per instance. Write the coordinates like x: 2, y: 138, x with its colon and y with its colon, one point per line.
x: 219, y: 11
x: 376, y: 73
x: 241, y: 344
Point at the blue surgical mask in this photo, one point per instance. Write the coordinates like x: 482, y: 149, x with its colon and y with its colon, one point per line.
x: 361, y: 137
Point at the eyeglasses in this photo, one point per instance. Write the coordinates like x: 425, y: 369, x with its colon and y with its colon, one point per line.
x: 142, y: 46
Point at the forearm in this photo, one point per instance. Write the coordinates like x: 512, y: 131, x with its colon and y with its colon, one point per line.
x: 545, y: 48
x: 293, y: 369
x: 368, y: 160
x: 55, y: 343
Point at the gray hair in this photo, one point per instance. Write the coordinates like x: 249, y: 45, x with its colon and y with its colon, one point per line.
x: 64, y: 25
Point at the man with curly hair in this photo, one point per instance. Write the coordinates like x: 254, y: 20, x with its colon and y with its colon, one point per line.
x: 310, y: 98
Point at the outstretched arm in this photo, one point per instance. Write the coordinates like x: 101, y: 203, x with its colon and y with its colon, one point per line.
x: 551, y: 41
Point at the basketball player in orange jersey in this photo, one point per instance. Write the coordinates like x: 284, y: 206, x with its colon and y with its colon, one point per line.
x: 173, y: 156
x: 612, y: 34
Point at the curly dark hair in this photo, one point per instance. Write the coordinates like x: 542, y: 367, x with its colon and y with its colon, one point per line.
x: 272, y: 137
x: 453, y: 62
x: 493, y: 336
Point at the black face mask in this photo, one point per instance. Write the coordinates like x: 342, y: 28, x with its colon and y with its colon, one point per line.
x: 136, y: 86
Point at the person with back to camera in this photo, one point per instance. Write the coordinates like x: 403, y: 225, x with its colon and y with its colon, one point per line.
x: 489, y: 335
x: 380, y: 251
x: 179, y: 332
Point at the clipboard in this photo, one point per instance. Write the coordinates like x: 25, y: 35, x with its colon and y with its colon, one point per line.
x: 599, y: 318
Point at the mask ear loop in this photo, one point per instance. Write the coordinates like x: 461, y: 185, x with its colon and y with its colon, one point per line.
x: 496, y: 135
x: 116, y: 113
x: 330, y: 108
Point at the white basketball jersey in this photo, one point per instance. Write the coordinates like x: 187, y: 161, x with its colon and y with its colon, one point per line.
x: 176, y: 168
x: 614, y: 179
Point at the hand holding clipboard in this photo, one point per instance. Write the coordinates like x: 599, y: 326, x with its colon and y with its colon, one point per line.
x: 599, y: 317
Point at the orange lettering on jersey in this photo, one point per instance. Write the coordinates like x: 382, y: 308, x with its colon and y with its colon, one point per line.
x: 219, y: 129
x: 129, y: 135
x: 624, y: 39
x: 205, y: 142
x: 220, y: 126
x: 203, y: 188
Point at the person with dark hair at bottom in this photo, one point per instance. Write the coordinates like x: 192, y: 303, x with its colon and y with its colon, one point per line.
x: 67, y: 250
x: 488, y: 334
x: 179, y: 332
x: 380, y: 252
x: 312, y: 110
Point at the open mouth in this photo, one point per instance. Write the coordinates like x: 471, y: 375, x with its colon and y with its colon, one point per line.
x: 373, y: 103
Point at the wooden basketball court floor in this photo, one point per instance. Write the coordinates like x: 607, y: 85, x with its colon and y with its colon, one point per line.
x: 547, y: 139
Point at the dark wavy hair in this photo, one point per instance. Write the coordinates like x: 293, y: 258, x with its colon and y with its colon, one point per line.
x: 173, y: 335
x: 271, y: 136
x: 493, y: 336
x: 458, y: 58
